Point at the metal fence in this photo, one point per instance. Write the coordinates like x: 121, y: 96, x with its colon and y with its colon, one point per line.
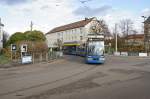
x: 55, y: 55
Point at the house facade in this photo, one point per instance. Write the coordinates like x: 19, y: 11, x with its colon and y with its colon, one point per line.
x: 147, y: 34
x: 135, y: 39
x: 73, y: 34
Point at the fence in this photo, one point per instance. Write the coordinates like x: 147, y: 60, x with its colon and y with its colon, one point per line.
x: 55, y: 55
x: 131, y: 54
x: 39, y: 57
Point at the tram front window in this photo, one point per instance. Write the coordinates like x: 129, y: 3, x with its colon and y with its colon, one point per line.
x: 95, y: 48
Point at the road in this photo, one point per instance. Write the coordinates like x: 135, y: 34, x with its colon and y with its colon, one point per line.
x: 70, y: 78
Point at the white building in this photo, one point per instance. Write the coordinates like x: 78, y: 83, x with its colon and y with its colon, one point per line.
x: 71, y: 34
x: 1, y: 34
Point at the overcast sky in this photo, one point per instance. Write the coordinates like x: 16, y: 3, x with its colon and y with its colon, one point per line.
x: 47, y: 14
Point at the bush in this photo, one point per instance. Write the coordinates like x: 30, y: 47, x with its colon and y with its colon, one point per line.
x: 6, y: 52
x: 4, y: 59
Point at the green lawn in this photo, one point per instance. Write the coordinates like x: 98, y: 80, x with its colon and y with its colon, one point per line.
x: 4, y: 59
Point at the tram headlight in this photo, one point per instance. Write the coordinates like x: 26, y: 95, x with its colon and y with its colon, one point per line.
x: 102, y: 59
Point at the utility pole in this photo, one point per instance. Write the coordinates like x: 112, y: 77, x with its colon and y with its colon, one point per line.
x: 31, y: 26
x: 1, y: 34
x: 0, y: 28
x: 1, y: 25
x: 145, y: 35
x: 116, y: 38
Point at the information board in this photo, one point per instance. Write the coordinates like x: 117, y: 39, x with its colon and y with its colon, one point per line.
x: 26, y: 59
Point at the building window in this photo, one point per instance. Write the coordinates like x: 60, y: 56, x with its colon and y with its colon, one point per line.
x: 75, y: 30
x: 66, y: 35
x: 80, y: 38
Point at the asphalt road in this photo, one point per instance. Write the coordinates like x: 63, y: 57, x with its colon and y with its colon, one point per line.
x: 71, y: 78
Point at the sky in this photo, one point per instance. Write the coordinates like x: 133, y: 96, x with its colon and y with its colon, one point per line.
x: 16, y: 15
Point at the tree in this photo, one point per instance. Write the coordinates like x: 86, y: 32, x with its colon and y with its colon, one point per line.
x: 104, y: 27
x: 26, y: 36
x: 34, y: 47
x: 34, y: 35
x: 59, y: 43
x: 126, y: 26
x: 134, y: 33
x: 125, y: 29
x: 5, y: 38
x: 18, y: 36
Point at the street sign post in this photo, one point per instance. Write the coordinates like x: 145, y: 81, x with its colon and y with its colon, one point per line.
x: 13, y: 47
x: 13, y: 50
x: 24, y: 55
x: 24, y: 48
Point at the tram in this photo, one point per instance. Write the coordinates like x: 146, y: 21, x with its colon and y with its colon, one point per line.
x: 95, y: 49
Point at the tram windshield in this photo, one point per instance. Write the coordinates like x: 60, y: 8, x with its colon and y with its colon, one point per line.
x: 95, y: 48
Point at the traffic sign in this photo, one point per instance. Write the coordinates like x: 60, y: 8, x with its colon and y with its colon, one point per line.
x: 13, y: 47
x: 24, y: 48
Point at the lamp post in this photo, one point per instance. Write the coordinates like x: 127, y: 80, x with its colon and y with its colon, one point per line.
x: 145, y: 36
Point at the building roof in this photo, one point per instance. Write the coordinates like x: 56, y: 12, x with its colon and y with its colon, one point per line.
x: 135, y: 36
x: 147, y: 20
x: 78, y: 24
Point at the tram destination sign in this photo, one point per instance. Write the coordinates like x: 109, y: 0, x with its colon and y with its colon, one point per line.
x: 95, y: 36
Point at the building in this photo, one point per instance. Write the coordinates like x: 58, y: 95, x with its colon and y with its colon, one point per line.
x: 147, y: 33
x: 135, y: 39
x: 1, y: 34
x: 73, y: 34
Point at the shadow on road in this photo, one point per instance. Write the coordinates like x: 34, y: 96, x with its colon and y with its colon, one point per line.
x: 75, y: 59
x: 78, y: 60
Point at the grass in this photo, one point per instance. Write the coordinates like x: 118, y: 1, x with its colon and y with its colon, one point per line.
x: 4, y: 59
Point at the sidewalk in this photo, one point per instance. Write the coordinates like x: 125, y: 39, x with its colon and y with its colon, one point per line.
x: 17, y: 64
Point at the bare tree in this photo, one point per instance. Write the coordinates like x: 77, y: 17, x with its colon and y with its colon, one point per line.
x: 134, y: 33
x: 126, y: 26
x: 104, y: 27
x: 5, y: 38
x: 59, y: 44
